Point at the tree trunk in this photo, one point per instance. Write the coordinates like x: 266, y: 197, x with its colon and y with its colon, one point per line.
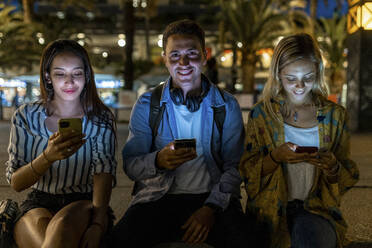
x: 248, y: 65
x: 147, y: 35
x: 129, y: 24
x: 234, y: 73
x: 28, y: 10
x: 313, y: 9
x: 337, y: 79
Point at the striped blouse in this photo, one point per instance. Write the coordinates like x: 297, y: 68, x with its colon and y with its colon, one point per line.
x: 29, y: 137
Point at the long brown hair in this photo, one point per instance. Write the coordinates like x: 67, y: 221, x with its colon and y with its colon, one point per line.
x: 290, y: 49
x: 92, y: 105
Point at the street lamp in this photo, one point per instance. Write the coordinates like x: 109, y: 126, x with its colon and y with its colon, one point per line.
x: 359, y: 16
x: 359, y: 71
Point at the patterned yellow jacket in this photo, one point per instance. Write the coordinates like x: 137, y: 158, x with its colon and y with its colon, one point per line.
x: 267, y: 196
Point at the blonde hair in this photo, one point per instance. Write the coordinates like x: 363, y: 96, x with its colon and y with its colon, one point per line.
x: 290, y: 49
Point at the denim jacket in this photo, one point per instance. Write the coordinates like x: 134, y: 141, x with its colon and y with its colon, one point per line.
x: 222, y: 154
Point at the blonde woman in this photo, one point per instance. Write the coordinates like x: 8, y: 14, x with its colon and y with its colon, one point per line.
x: 296, y: 164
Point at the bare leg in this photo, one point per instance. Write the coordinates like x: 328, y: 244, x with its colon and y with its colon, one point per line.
x: 67, y: 227
x: 29, y: 230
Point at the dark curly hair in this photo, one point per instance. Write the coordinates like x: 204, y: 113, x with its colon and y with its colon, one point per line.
x: 185, y: 26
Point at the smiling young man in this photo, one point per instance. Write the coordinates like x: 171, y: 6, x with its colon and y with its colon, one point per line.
x: 184, y: 194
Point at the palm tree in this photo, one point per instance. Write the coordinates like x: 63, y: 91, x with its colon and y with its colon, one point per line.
x: 333, y: 44
x: 129, y: 30
x: 314, y: 8
x: 149, y: 12
x: 28, y: 10
x: 256, y: 24
x: 18, y: 48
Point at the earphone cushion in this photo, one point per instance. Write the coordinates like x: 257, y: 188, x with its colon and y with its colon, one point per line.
x: 192, y: 102
x: 177, y: 96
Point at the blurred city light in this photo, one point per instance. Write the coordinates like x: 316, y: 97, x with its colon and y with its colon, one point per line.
x: 121, y: 43
x: 266, y: 59
x: 90, y: 15
x: 96, y: 50
x: 160, y: 41
x: 41, y: 40
x: 80, y: 35
x: 105, y: 54
x: 81, y: 42
x: 60, y: 15
x: 360, y: 16
x: 239, y: 44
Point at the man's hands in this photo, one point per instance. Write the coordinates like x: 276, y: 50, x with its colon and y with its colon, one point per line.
x: 61, y: 146
x: 170, y: 158
x: 198, y: 225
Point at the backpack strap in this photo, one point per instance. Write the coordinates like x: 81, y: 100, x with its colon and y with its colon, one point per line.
x: 156, y: 111
x: 155, y: 116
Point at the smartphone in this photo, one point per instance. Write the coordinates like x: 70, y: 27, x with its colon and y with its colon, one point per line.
x: 67, y: 124
x: 184, y: 143
x: 308, y: 149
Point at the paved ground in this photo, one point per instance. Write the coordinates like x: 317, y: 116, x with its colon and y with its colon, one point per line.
x: 356, y: 204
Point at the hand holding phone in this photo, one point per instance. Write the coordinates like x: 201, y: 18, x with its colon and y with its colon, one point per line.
x: 174, y: 155
x: 64, y: 143
x: 67, y: 124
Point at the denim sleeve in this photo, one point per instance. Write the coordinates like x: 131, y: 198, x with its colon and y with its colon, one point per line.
x: 138, y: 159
x: 231, y: 151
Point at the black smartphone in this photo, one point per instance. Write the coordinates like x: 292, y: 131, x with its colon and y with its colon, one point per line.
x: 67, y: 124
x: 307, y: 149
x: 184, y: 143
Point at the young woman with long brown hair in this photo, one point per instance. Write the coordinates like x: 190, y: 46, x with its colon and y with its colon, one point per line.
x: 70, y: 174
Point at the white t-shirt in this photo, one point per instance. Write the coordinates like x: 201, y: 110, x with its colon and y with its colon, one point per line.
x: 193, y: 176
x: 300, y: 176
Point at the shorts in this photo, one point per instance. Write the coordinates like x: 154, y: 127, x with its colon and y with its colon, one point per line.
x: 55, y: 202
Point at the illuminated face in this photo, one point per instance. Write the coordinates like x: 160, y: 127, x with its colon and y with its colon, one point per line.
x: 184, y: 59
x: 298, y: 79
x: 67, y: 77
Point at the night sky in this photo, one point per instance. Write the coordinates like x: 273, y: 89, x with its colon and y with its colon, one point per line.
x: 327, y: 11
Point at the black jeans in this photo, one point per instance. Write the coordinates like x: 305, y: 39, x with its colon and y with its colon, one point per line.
x: 309, y: 230
x: 148, y: 224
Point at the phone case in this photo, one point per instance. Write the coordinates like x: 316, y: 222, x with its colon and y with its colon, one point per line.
x: 67, y: 124
x: 184, y: 143
x: 308, y: 149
